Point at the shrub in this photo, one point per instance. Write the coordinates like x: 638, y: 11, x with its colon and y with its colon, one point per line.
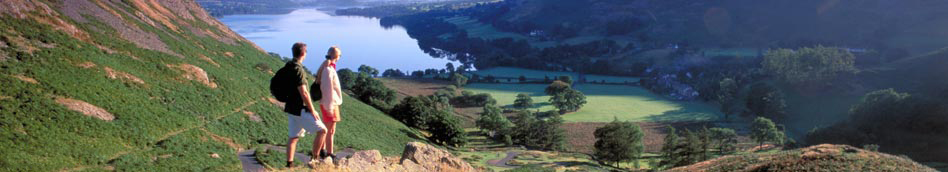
x: 469, y: 99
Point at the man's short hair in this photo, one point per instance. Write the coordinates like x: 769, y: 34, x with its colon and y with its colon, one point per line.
x: 298, y: 49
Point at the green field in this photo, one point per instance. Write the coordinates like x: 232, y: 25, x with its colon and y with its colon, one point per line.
x: 540, y: 75
x: 606, y: 102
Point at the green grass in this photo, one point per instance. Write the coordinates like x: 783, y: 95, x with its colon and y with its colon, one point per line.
x: 168, y: 123
x: 606, y: 102
x: 539, y: 75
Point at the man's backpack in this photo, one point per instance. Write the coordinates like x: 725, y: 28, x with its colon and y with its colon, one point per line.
x: 279, y: 88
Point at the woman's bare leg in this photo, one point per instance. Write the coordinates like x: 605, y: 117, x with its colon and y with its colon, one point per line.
x: 331, y: 131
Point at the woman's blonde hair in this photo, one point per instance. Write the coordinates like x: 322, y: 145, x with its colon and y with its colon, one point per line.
x: 333, y: 52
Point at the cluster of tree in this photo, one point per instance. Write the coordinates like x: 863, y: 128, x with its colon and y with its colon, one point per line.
x: 809, y: 66
x: 534, y: 130
x: 366, y: 69
x: 539, y: 133
x: 695, y: 146
x: 495, y: 124
x: 765, y: 100
x: 619, y: 141
x: 523, y: 101
x: 366, y: 88
x: 393, y: 73
x: 469, y: 99
x: 430, y: 29
x: 896, y: 122
x: 764, y: 130
x: 564, y: 97
x: 432, y: 114
x: 458, y: 80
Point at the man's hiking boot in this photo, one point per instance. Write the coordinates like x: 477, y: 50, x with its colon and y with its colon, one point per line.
x: 289, y: 164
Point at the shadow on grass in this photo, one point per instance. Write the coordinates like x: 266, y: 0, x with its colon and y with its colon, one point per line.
x: 412, y: 134
x: 574, y: 163
x: 680, y: 115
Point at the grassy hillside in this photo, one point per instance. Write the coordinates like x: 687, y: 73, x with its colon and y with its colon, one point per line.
x: 88, y: 85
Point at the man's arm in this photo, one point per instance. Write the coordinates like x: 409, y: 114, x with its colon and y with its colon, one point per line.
x: 307, y: 101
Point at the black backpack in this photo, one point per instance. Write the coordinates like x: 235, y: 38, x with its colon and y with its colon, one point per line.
x: 314, y: 92
x: 281, y: 90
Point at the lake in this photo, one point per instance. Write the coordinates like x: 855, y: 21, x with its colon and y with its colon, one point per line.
x: 362, y: 39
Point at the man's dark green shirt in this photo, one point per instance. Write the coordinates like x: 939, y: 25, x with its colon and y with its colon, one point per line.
x: 295, y: 104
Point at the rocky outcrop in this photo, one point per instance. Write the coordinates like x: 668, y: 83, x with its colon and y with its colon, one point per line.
x: 194, y: 73
x: 85, y: 108
x: 824, y: 157
x: 416, y: 157
x: 432, y: 159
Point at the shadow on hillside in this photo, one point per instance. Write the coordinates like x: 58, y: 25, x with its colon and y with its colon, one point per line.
x: 680, y: 115
x: 574, y: 163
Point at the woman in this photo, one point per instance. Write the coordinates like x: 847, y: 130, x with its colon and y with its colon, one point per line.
x: 332, y: 96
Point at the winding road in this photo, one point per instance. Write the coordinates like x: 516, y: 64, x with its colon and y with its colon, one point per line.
x: 503, y: 162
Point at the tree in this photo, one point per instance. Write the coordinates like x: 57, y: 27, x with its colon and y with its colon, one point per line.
x: 619, y: 141
x: 459, y: 80
x: 368, y: 70
x: 763, y: 130
x: 557, y: 87
x: 430, y: 114
x: 449, y: 67
x: 372, y: 91
x: 690, y: 150
x: 393, y: 73
x: 418, y: 74
x: 765, y: 100
x: 566, y: 78
x: 570, y: 101
x: 808, y: 65
x: 446, y: 129
x: 537, y: 133
x: 669, y: 147
x: 725, y: 138
x: 523, y: 101
x: 493, y: 122
x: 726, y: 94
x: 347, y: 78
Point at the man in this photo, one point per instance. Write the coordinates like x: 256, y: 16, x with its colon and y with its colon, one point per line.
x: 301, y: 115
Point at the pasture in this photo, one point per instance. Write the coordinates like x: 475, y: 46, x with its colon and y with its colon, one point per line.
x: 605, y: 102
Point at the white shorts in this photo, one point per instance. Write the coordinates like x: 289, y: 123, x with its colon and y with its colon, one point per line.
x: 301, y: 125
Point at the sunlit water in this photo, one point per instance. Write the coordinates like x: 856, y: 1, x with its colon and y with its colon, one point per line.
x: 362, y: 40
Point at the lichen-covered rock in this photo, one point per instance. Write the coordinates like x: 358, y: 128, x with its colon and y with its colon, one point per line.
x: 430, y: 158
x: 416, y: 157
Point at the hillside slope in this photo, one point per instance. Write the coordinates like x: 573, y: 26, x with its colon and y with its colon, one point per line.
x: 139, y: 85
x: 823, y: 157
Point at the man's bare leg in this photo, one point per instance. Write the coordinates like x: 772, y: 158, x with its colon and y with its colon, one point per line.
x: 290, y: 150
x: 318, y: 142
